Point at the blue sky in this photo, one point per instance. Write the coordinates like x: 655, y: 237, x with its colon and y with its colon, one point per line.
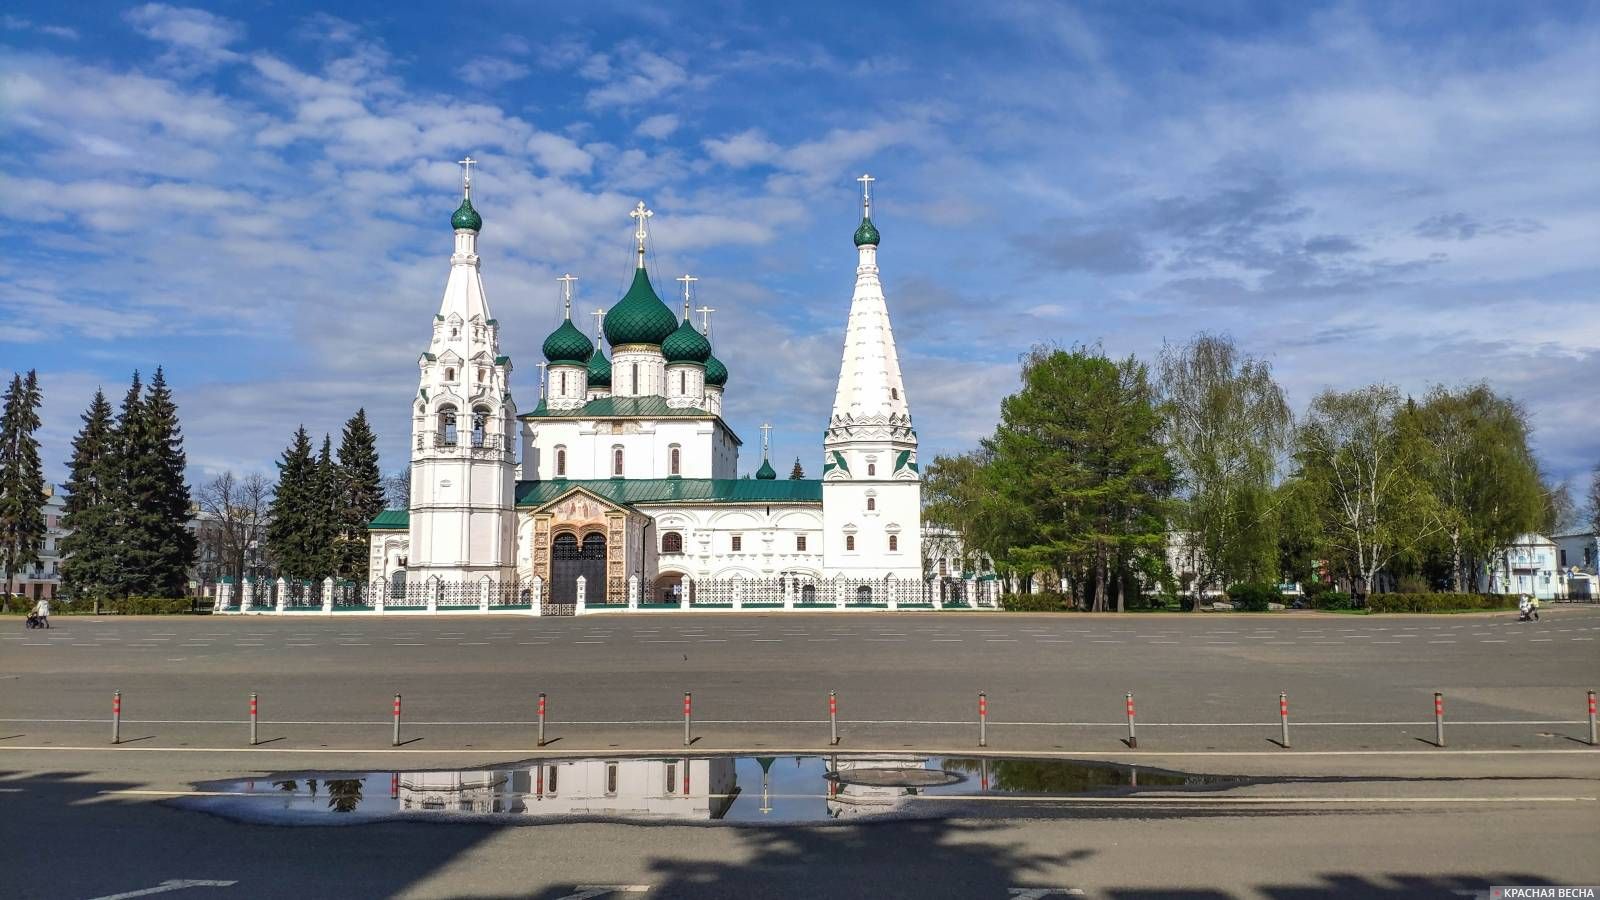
x: 257, y: 196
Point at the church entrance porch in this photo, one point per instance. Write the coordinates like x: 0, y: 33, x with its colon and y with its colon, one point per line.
x: 668, y: 589
x: 571, y: 559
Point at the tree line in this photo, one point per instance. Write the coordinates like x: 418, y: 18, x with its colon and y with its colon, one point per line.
x: 323, y: 503
x: 1097, y: 465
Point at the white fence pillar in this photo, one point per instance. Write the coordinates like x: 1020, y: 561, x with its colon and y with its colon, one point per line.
x: 582, y: 603
x: 684, y: 587
x: 483, y: 596
x: 838, y: 593
x: 738, y: 593
x: 892, y: 588
x: 247, y: 592
x: 283, y: 592
x: 327, y: 595
x: 788, y: 593
x: 224, y: 594
x: 380, y: 590
x: 972, y: 593
x: 433, y: 594
x: 538, y: 596
x: 633, y: 591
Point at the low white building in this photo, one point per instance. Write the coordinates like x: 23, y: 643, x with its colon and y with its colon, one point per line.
x: 1528, y: 566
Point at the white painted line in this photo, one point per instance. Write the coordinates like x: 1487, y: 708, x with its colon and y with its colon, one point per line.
x: 174, y: 884
x: 1038, y: 893
x: 590, y: 891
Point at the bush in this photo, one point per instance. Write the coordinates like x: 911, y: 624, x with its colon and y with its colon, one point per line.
x: 1314, y: 589
x: 1254, y: 596
x: 1046, y: 602
x: 1329, y: 599
x: 1425, y: 603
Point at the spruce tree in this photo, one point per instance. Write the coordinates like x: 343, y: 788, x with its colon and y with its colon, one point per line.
x: 327, y: 511
x: 797, y: 473
x: 88, y: 568
x: 290, y: 537
x: 22, y: 524
x: 361, y: 496
x: 169, y: 544
x: 121, y: 573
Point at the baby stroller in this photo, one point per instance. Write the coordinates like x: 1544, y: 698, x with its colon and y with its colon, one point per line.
x: 33, y: 621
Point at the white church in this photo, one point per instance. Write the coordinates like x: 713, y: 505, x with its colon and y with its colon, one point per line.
x: 620, y: 486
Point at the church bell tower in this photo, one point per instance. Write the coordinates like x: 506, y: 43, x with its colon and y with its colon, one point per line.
x: 463, y: 464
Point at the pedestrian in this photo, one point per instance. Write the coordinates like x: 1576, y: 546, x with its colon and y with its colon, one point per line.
x: 1533, y: 606
x: 42, y: 610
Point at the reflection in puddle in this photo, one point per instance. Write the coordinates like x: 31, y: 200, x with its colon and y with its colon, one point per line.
x: 781, y: 789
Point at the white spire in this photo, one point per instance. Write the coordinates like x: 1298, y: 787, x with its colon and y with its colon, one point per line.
x: 463, y: 293
x: 566, y: 295
x: 639, y: 215
x: 871, y: 392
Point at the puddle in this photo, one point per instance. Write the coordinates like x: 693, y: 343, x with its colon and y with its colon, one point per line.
x: 745, y: 789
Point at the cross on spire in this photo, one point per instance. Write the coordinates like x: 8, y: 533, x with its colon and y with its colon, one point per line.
x: 705, y: 319
x: 466, y: 176
x: 640, y: 214
x: 766, y: 432
x: 542, y: 367
x: 687, y: 280
x: 866, y: 195
x: 566, y: 294
x: 599, y: 322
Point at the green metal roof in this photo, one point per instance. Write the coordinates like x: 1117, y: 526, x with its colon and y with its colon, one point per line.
x: 599, y: 369
x: 619, y: 407
x: 466, y: 217
x: 867, y: 233
x: 686, y: 345
x: 639, y: 317
x: 391, y: 520
x: 567, y: 345
x: 630, y: 491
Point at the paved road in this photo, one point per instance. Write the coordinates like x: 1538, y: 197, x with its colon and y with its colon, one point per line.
x: 1202, y: 682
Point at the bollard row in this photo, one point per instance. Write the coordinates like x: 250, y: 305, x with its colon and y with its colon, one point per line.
x: 833, y: 719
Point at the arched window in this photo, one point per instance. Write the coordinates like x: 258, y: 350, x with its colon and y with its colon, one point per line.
x: 894, y: 393
x: 561, y: 462
x: 449, y: 374
x: 673, y: 459
x: 849, y: 542
x: 563, y: 383
x: 864, y: 594
x: 683, y: 382
x: 447, y: 426
x: 616, y: 462
x: 480, y: 425
x: 872, y: 469
x: 636, y: 380
x: 671, y: 542
x: 894, y: 543
x: 872, y: 503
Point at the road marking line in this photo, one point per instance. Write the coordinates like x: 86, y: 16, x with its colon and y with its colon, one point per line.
x: 171, y: 884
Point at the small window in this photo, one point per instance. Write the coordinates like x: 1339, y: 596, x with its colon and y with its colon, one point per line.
x: 894, y: 543
x: 672, y: 542
x: 616, y: 462
x: 872, y: 469
x: 447, y: 426
x: 683, y: 382
x: 483, y: 375
x: 550, y: 781
x: 672, y: 461
x: 611, y: 779
x: 672, y: 778
x: 944, y: 568
x: 738, y: 543
x: 849, y: 542
x: 449, y: 374
x: 561, y: 462
x: 800, y: 543
x: 872, y: 503
x: 636, y: 380
x: 894, y: 393
x: 563, y: 384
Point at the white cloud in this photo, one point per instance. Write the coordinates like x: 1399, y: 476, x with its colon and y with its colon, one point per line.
x: 559, y: 155
x: 647, y: 77
x: 658, y: 127
x: 193, y: 31
x: 747, y: 148
x: 492, y: 71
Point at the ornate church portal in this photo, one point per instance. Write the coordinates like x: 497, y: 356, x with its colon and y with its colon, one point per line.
x: 570, y: 559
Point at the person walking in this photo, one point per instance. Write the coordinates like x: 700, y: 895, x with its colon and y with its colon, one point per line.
x: 42, y: 610
x: 1533, y: 606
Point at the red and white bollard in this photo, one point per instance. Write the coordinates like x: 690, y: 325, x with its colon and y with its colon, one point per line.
x: 1593, y: 742
x: 1438, y: 719
x: 688, y: 708
x: 983, y: 719
x: 254, y: 710
x: 1283, y: 717
x: 116, y: 717
x: 1133, y: 739
x: 541, y: 718
x: 396, y: 741
x: 833, y: 718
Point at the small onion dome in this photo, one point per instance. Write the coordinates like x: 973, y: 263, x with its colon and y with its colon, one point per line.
x: 716, y: 372
x: 599, y: 370
x: 867, y: 233
x: 567, y: 345
x: 466, y: 217
x: 639, y: 317
x: 766, y: 472
x: 686, y: 345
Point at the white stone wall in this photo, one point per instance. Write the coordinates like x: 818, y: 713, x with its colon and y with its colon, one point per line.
x: 568, y: 386
x: 686, y: 385
x: 767, y: 533
x: 706, y: 448
x: 637, y: 370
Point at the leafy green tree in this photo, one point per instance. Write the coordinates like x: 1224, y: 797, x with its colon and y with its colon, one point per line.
x: 1228, y: 425
x: 293, y: 532
x: 360, y: 495
x: 797, y: 473
x: 1078, y: 458
x: 1365, y: 462
x: 89, y: 564
x: 956, y: 495
x: 22, y: 523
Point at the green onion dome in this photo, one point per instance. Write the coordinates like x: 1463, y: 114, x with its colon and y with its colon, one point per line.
x: 766, y: 472
x: 567, y: 345
x: 867, y: 233
x: 639, y: 317
x: 599, y: 369
x: 466, y: 217
x: 686, y: 345
x: 716, y: 372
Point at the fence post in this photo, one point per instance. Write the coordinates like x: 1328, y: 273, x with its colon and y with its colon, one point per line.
x: 1283, y: 717
x: 582, y: 600
x: 224, y: 594
x: 833, y: 719
x: 687, y: 706
x: 538, y: 595
x: 116, y: 717
x: 685, y: 588
x: 633, y: 591
x: 247, y: 592
x: 483, y: 595
x: 541, y: 718
x: 283, y: 592
x: 983, y: 719
x: 1438, y: 719
x: 1592, y: 735
x: 254, y: 709
x: 396, y: 741
x: 1133, y: 739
